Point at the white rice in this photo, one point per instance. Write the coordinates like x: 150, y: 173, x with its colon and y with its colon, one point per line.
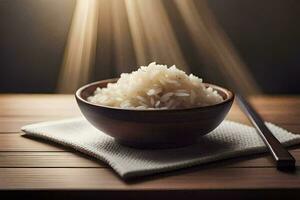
x: 156, y: 87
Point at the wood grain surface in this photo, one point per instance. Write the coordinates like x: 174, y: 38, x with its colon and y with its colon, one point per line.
x: 36, y: 165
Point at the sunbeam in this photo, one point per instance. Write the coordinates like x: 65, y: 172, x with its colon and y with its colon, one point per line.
x: 135, y: 32
x: 80, y: 49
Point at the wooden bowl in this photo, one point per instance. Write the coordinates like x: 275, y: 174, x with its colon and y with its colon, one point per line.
x: 153, y: 128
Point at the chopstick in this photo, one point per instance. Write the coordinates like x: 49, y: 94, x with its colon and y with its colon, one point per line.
x: 283, y: 159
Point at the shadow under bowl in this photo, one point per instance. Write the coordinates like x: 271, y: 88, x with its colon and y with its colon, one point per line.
x: 153, y: 128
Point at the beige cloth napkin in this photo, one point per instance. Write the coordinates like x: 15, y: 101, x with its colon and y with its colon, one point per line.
x: 229, y: 140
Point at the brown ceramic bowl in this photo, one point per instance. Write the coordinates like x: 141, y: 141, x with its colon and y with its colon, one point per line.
x: 153, y: 128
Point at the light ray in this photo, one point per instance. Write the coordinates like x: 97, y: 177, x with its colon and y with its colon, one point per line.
x: 212, y: 42
x: 151, y: 29
x: 136, y: 32
x: 80, y: 48
x: 124, y: 55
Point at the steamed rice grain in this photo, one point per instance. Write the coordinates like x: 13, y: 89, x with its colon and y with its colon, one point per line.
x: 156, y: 87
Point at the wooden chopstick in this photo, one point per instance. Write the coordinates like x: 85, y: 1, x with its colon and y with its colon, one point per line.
x: 283, y: 159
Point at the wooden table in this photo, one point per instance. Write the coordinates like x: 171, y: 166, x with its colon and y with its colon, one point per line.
x: 31, y: 168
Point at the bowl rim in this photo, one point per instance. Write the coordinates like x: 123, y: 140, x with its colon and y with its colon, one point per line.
x: 230, y: 98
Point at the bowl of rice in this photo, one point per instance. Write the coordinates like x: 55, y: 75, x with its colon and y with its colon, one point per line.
x: 154, y: 107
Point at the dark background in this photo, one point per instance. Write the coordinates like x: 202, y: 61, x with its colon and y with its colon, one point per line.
x: 33, y: 34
